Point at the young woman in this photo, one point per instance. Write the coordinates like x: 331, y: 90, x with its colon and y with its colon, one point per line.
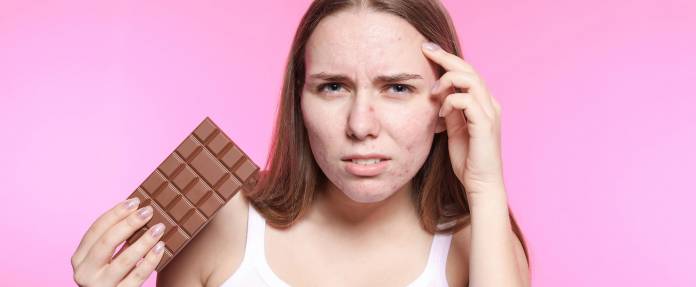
x: 385, y: 170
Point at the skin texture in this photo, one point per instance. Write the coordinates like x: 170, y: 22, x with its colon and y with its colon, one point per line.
x: 361, y: 115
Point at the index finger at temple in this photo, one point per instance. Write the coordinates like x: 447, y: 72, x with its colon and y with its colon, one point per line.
x: 445, y: 59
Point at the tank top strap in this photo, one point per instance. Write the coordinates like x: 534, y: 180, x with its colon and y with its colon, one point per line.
x: 256, y: 251
x: 438, y: 260
x: 256, y: 225
x: 435, y: 271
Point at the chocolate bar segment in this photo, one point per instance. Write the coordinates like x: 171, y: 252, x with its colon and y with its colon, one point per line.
x: 188, y: 188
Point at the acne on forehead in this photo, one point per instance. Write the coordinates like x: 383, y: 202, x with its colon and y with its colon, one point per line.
x: 375, y: 40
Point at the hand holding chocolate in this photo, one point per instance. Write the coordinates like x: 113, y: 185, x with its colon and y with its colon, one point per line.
x: 188, y: 188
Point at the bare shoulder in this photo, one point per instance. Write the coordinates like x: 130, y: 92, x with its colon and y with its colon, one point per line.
x: 215, y: 253
x: 457, y: 268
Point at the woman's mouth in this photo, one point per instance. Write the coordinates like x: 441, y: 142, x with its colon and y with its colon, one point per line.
x: 366, y: 161
x: 366, y: 167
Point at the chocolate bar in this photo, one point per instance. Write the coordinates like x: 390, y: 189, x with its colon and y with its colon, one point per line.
x: 188, y: 188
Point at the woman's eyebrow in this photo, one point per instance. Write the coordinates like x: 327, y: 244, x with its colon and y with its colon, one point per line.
x: 400, y: 77
x: 396, y: 78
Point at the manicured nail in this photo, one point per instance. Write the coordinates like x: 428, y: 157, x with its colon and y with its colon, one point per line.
x: 159, y: 247
x: 157, y: 230
x: 131, y: 203
x: 431, y: 46
x: 435, y: 86
x: 145, y: 212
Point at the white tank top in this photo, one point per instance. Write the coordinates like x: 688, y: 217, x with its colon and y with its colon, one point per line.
x: 255, y: 271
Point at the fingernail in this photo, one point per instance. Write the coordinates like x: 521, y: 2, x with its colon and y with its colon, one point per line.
x: 431, y: 46
x: 131, y: 203
x: 435, y: 86
x: 145, y: 212
x: 157, y: 230
x: 159, y: 247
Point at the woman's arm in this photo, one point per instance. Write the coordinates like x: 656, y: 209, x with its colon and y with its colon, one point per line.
x: 496, y: 257
x: 472, y: 118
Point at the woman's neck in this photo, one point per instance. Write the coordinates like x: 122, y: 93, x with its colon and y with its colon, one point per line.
x: 333, y: 209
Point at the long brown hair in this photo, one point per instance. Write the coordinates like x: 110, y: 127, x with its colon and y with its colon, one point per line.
x: 291, y: 177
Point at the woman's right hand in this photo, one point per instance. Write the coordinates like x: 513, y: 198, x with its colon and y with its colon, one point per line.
x: 94, y: 263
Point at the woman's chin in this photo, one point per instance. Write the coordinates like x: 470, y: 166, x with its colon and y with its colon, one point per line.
x: 367, y: 195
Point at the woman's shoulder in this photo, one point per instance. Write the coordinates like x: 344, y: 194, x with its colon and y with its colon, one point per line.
x: 215, y: 253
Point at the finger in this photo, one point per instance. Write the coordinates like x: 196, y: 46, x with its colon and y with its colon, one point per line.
x: 101, y: 252
x: 456, y: 122
x: 145, y: 267
x: 467, y: 102
x: 124, y: 262
x: 469, y: 81
x: 101, y: 225
x: 449, y: 61
x: 452, y: 62
x: 496, y: 104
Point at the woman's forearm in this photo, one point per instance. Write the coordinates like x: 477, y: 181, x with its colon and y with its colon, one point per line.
x: 492, y: 257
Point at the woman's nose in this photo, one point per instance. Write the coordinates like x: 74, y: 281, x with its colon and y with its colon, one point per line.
x: 362, y: 120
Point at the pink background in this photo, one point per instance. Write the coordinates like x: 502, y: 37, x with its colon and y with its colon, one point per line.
x: 598, y: 121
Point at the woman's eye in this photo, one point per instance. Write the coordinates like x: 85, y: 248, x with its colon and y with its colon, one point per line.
x: 400, y: 89
x: 330, y: 87
x: 336, y: 87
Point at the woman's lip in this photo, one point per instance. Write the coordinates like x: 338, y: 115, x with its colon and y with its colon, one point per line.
x: 364, y: 156
x: 365, y: 170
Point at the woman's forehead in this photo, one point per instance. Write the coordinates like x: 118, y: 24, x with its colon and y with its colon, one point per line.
x: 363, y: 37
x: 365, y: 40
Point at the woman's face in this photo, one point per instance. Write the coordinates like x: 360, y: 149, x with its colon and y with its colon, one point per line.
x: 366, y: 103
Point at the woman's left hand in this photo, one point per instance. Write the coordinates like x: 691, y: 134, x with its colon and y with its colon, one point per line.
x: 472, y: 117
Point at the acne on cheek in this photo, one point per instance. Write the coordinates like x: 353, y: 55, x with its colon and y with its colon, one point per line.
x: 400, y: 174
x: 404, y: 172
